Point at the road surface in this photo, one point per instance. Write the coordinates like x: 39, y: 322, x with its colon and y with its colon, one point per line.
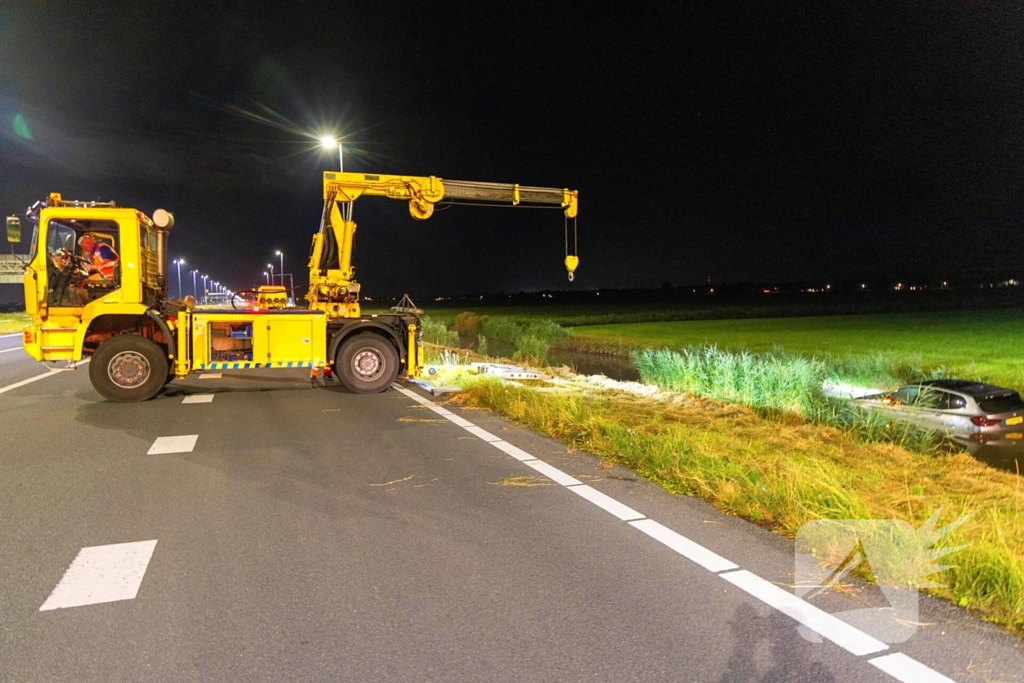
x: 294, y: 531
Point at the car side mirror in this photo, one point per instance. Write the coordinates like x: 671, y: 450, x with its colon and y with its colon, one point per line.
x: 13, y: 229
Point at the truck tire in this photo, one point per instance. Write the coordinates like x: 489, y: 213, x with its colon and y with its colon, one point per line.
x: 367, y: 363
x: 127, y: 369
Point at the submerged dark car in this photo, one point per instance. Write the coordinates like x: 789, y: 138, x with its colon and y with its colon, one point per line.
x: 954, y: 406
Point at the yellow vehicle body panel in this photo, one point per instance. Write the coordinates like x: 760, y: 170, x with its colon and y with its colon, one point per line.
x: 251, y: 340
x: 57, y: 332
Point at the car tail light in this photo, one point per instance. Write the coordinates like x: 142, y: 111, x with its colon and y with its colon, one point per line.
x: 986, y: 421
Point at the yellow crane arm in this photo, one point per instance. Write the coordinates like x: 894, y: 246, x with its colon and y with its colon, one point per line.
x: 331, y: 256
x: 422, y: 192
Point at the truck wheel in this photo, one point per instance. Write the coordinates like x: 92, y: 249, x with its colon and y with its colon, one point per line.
x: 367, y: 363
x: 127, y: 369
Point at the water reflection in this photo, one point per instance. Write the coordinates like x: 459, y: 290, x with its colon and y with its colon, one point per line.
x: 613, y: 367
x: 1003, y: 451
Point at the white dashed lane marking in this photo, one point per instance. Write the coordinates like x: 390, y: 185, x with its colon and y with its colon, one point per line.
x: 853, y: 640
x: 173, y: 444
x: 211, y: 375
x: 104, y: 573
x: 198, y: 398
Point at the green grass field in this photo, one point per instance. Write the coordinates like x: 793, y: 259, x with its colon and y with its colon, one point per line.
x: 12, y: 322
x: 986, y: 345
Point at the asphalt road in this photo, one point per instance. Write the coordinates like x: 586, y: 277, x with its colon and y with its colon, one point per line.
x: 311, y: 534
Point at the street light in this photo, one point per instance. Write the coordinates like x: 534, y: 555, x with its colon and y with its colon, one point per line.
x: 269, y: 265
x: 268, y: 276
x: 204, y: 287
x: 328, y: 142
x: 195, y: 292
x: 278, y: 252
x: 178, y: 262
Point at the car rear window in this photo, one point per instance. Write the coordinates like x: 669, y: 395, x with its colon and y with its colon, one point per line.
x: 1001, y: 404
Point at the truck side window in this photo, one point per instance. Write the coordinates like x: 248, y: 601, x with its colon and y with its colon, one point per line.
x: 82, y: 260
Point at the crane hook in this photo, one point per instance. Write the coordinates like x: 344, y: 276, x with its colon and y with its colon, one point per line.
x: 571, y: 262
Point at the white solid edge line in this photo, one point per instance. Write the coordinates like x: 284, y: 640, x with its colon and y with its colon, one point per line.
x: 553, y: 473
x: 606, y: 503
x: 49, y: 373
x: 907, y: 669
x: 517, y: 453
x: 684, y: 546
x: 851, y: 639
x: 13, y: 334
x: 411, y: 394
x: 460, y: 421
x: 16, y: 348
x: 104, y: 573
x: 482, y: 434
x: 441, y: 411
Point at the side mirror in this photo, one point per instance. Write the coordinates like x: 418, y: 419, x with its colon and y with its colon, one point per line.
x: 13, y: 229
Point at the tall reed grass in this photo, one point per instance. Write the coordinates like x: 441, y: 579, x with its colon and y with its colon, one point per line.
x: 436, y: 332
x: 782, y: 383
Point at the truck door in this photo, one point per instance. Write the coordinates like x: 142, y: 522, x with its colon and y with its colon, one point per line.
x: 289, y: 339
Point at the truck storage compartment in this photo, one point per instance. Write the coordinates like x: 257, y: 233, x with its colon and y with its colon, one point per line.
x: 230, y: 341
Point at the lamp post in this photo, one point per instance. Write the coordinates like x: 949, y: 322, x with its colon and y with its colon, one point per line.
x: 178, y: 262
x: 195, y: 291
x: 271, y: 266
x: 204, y: 287
x: 268, y: 276
x: 279, y: 253
x: 328, y: 142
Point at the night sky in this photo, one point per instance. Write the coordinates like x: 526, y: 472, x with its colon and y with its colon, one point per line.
x: 844, y: 141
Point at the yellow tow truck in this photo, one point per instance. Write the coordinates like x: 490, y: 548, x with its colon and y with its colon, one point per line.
x: 137, y: 339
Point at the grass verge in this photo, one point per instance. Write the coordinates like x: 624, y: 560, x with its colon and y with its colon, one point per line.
x: 12, y: 322
x: 783, y: 474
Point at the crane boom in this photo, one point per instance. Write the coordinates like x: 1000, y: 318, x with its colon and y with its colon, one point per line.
x: 422, y: 192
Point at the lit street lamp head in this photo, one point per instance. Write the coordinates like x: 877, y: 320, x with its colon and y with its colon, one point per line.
x: 328, y: 141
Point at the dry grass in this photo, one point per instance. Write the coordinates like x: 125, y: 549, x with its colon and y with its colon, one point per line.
x: 782, y: 474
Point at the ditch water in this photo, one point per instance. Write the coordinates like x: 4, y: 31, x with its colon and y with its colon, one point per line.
x: 1004, y: 454
x: 613, y: 367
